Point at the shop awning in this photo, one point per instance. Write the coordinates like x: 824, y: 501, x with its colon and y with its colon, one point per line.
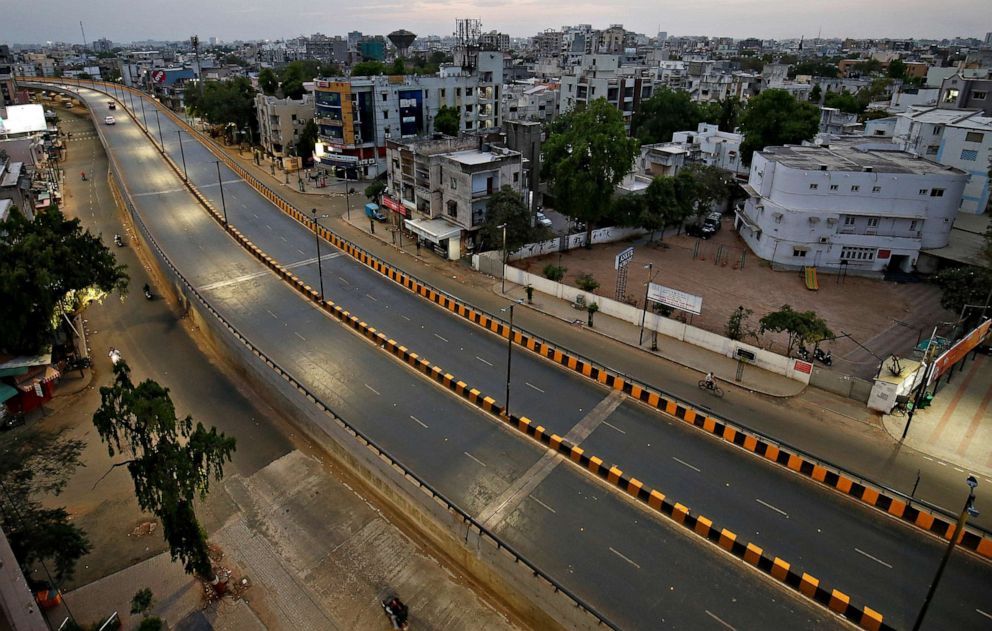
x: 6, y: 392
x: 434, y: 230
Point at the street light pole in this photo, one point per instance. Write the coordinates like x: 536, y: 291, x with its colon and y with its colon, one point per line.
x: 644, y: 314
x: 503, y: 271
x: 220, y: 183
x: 509, y: 358
x: 969, y: 509
x: 159, y: 123
x: 141, y: 100
x: 182, y: 153
x: 316, y: 238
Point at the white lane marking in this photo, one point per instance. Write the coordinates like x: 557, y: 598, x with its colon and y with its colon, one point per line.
x: 928, y: 458
x: 371, y: 388
x: 624, y: 558
x: 283, y: 239
x: 987, y: 615
x: 273, y: 315
x: 300, y: 336
x: 343, y: 280
x: 943, y: 464
x: 268, y: 226
x: 777, y: 510
x: 474, y: 458
x: 404, y: 317
x: 440, y: 338
x: 422, y: 424
x: 483, y: 361
x: 533, y: 386
x: 875, y: 559
x: 696, y: 469
x: 959, y: 469
x: 371, y: 297
x: 543, y: 504
x: 619, y: 430
x: 301, y: 251
x: 713, y: 615
x: 163, y: 192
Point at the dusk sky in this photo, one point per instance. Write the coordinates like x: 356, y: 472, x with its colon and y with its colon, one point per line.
x: 29, y: 21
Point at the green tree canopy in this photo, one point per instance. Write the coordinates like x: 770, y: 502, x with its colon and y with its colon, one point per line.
x: 774, y: 118
x: 447, y: 121
x: 49, y: 268
x: 33, y: 464
x: 710, y: 185
x: 802, y: 326
x: 375, y: 190
x: 813, y: 68
x: 170, y: 462
x: 666, y: 112
x: 815, y: 94
x: 368, y: 69
x: 844, y: 101
x: 225, y: 102
x: 268, y: 82
x: 307, y: 141
x: 588, y: 152
x: 960, y: 286
x: 896, y: 69
x: 506, y: 206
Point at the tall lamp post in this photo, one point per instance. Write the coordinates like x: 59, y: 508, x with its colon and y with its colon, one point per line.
x: 509, y: 356
x: 647, y: 286
x: 220, y: 183
x: 502, y: 272
x: 969, y: 509
x: 182, y: 153
x: 159, y: 123
x: 316, y: 238
x: 141, y: 101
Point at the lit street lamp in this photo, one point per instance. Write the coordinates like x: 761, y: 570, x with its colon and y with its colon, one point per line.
x: 316, y: 238
x: 969, y: 509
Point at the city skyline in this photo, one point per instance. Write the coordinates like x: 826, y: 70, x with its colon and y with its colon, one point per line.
x: 227, y: 21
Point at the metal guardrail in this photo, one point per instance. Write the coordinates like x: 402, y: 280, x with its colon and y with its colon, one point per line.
x: 436, y: 495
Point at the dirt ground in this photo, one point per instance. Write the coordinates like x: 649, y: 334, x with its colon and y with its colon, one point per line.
x: 884, y: 316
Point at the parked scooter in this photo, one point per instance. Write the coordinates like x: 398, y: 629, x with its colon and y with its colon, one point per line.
x: 118, y: 240
x: 396, y: 611
x: 803, y: 353
x: 825, y: 358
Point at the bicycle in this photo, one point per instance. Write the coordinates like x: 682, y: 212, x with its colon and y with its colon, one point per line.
x: 712, y: 387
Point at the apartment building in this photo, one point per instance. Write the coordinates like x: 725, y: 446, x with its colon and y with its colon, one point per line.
x: 710, y: 146
x: 7, y: 86
x: 281, y: 121
x: 440, y: 189
x: 602, y: 76
x: 959, y: 92
x: 956, y: 138
x: 356, y: 116
x: 530, y: 101
x: 855, y: 206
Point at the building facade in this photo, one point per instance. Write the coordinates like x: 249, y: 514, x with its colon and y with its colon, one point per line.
x: 356, y: 116
x: 602, y: 77
x: 281, y: 122
x: 854, y: 206
x: 959, y: 92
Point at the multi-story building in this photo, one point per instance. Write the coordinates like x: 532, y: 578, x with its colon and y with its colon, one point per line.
x: 494, y: 40
x: 440, y: 189
x: 549, y: 43
x: 708, y: 145
x: 7, y: 86
x: 324, y: 48
x: 281, y: 121
x: 602, y: 76
x: 530, y: 101
x: 357, y: 115
x: 959, y: 92
x: 855, y: 206
x: 956, y: 138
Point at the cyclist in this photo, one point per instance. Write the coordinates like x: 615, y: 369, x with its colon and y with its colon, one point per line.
x: 710, y: 380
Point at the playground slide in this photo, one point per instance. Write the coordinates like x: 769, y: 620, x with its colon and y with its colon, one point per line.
x: 809, y: 273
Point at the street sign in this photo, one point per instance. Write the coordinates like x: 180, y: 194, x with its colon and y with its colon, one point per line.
x: 675, y: 299
x: 623, y: 258
x: 158, y: 76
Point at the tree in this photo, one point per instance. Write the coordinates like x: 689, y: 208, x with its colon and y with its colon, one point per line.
x: 868, y: 66
x: 710, y: 185
x: 268, y: 82
x: 375, y: 190
x: 554, y: 272
x: 398, y: 67
x: 141, y: 602
x: 368, y: 69
x: 802, y: 326
x: 667, y: 202
x: 170, y: 463
x: 307, y: 141
x: 844, y: 101
x: 447, y: 121
x: 588, y: 152
x: 50, y: 268
x: 896, y: 69
x: 506, y: 207
x: 225, y: 102
x: 738, y: 326
x: 586, y: 282
x: 815, y: 94
x: 960, y: 286
x: 729, y: 113
x: 666, y: 112
x: 773, y: 118
x: 33, y: 464
x: 813, y: 69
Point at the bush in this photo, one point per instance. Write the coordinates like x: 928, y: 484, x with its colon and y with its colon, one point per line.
x: 587, y: 283
x: 151, y: 623
x: 554, y: 272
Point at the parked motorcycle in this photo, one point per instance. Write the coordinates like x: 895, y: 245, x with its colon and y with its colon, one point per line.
x: 803, y: 353
x: 118, y: 240
x: 825, y: 358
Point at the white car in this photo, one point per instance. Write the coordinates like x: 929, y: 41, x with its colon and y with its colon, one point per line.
x: 543, y: 219
x: 110, y: 120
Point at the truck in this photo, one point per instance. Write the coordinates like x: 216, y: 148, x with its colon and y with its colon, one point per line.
x: 372, y: 211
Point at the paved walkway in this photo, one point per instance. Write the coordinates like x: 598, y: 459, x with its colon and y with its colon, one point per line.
x: 957, y: 427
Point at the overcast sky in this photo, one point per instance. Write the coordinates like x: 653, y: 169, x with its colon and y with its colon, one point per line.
x: 27, y: 21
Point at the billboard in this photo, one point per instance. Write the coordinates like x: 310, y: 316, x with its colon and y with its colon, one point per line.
x: 957, y: 352
x: 411, y: 112
x: 675, y: 299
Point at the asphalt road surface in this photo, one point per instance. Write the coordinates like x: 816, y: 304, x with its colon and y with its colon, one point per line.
x: 880, y: 562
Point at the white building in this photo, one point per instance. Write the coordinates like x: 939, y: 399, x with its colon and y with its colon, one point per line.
x: 957, y: 138
x: 855, y: 206
x: 281, y: 121
x: 530, y: 101
x: 711, y: 146
x: 602, y: 77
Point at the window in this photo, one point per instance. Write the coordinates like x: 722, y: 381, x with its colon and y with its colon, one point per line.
x: 876, y: 189
x: 454, y: 184
x: 937, y: 192
x: 848, y: 220
x: 385, y: 113
x: 833, y: 187
x: 458, y: 91
x: 442, y: 92
x: 924, y: 191
x: 912, y: 225
x: 970, y: 155
x: 873, y: 222
x: 385, y: 97
x: 813, y: 187
x: 452, y: 208
x: 800, y: 252
x: 974, y: 136
x: 932, y: 150
x: 294, y: 117
x: 516, y: 176
x: 855, y: 188
x: 857, y: 254
x: 936, y: 130
x: 979, y: 95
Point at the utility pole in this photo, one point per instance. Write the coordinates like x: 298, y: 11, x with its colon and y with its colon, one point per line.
x: 195, y: 41
x: 83, y: 31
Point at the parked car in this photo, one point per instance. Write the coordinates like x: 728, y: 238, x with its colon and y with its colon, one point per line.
x: 110, y: 120
x: 543, y: 220
x: 706, y: 228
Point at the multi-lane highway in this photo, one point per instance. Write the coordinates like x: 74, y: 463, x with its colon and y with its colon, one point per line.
x: 625, y: 562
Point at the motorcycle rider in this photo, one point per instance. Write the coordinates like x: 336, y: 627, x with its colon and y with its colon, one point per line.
x: 397, y: 612
x: 82, y: 174
x: 147, y: 290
